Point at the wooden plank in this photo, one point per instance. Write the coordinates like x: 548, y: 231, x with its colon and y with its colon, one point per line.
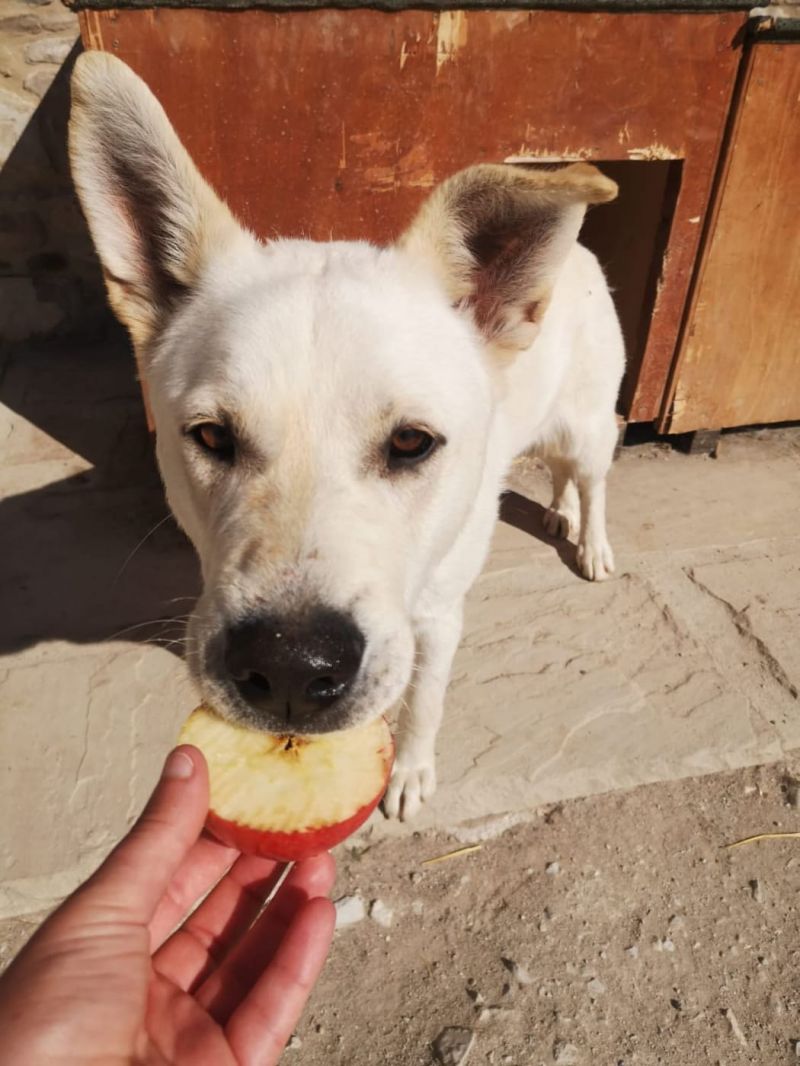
x: 337, y: 123
x: 740, y: 359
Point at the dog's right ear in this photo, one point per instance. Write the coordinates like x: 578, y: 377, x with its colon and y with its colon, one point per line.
x: 155, y: 222
x: 497, y: 236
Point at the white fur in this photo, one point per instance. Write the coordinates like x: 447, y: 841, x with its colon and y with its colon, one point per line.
x: 316, y: 352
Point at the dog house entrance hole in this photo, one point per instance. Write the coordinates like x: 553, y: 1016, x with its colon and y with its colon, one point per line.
x: 629, y: 237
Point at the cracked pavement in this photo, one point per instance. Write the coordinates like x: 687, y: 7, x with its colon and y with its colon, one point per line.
x: 686, y: 663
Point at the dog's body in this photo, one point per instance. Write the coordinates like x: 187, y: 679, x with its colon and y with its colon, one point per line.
x: 335, y: 421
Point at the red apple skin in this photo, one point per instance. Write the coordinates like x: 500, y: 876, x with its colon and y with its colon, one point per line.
x: 302, y: 844
x: 287, y: 847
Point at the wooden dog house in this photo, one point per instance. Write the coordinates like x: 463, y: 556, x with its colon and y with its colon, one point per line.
x: 335, y: 120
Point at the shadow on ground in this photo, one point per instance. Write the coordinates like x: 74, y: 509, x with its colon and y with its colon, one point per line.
x: 528, y: 517
x: 78, y: 481
x: 50, y: 279
x: 78, y: 560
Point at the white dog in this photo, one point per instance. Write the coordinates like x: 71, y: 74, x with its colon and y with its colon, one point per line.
x: 334, y: 421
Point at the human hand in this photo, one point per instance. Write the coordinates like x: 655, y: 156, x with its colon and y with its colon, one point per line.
x: 108, y: 978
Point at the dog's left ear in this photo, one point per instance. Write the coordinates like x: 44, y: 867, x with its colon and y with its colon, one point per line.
x: 155, y: 222
x: 497, y: 237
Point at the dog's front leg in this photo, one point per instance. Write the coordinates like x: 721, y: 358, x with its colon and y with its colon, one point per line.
x: 414, y: 776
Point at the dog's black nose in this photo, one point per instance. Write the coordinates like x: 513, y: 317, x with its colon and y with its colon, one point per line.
x: 294, y: 668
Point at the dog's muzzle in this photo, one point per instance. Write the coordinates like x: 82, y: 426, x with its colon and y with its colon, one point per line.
x: 291, y: 669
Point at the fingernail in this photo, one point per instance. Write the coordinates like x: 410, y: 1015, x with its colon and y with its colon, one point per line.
x: 178, y: 765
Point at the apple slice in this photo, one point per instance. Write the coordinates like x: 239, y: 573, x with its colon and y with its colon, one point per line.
x: 289, y: 797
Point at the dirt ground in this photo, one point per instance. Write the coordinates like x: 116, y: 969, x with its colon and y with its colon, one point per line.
x: 641, y: 939
x: 615, y: 930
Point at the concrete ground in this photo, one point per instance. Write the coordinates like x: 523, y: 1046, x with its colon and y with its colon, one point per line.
x: 685, y: 664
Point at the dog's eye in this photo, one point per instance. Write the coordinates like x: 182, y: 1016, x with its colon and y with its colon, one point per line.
x: 215, y: 438
x: 409, y: 445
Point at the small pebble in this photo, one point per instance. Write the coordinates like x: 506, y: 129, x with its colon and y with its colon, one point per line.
x: 735, y: 1027
x: 380, y: 913
x: 294, y: 1043
x: 596, y: 987
x: 633, y: 951
x: 453, y: 1045
x: 415, y: 877
x: 755, y: 891
x: 664, y: 944
x: 552, y: 869
x: 349, y: 910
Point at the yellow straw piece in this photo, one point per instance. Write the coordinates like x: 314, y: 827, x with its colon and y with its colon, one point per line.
x: 453, y: 854
x: 763, y: 836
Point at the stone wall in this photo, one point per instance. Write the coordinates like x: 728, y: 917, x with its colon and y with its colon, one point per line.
x: 49, y: 277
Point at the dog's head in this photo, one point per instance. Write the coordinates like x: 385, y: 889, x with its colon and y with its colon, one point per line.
x: 323, y: 411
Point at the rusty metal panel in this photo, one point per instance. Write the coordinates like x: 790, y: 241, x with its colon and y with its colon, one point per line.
x: 740, y: 359
x: 432, y: 5
x: 336, y: 123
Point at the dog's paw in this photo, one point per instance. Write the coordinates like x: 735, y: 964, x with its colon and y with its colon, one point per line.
x: 595, y: 560
x: 559, y: 523
x: 409, y: 787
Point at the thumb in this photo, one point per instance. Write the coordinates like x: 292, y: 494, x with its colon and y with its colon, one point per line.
x: 135, y: 875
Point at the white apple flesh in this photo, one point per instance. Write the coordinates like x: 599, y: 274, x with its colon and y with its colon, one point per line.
x: 289, y: 797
